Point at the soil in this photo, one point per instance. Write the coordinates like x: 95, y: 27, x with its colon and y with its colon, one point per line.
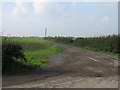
x: 73, y: 68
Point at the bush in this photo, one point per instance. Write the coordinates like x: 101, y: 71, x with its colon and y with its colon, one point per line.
x: 12, y: 53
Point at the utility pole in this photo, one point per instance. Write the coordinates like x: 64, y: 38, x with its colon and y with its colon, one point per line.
x: 45, y: 32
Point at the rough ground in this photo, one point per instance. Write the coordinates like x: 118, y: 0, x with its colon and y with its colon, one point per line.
x: 74, y: 68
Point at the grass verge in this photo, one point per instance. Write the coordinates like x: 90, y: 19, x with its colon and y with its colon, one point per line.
x: 37, y: 52
x: 115, y: 55
x: 40, y: 58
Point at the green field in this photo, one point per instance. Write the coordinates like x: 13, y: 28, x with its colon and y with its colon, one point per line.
x: 106, y: 44
x: 37, y: 53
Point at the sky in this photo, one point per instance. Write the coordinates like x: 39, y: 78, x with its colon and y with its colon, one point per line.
x: 77, y: 19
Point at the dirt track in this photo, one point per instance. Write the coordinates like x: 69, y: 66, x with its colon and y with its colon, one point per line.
x: 74, y: 68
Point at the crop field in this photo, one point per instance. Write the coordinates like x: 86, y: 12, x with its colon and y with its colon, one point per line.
x: 36, y: 52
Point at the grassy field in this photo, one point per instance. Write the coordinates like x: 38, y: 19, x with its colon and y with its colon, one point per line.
x: 37, y: 53
x: 107, y: 44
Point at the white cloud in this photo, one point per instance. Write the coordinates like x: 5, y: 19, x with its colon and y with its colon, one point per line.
x: 104, y: 19
x: 39, y: 6
x: 19, y: 8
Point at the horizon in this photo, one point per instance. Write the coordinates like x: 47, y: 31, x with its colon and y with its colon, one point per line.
x: 33, y: 36
x: 74, y: 19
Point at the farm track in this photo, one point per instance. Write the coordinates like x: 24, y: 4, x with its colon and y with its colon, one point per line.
x: 73, y: 68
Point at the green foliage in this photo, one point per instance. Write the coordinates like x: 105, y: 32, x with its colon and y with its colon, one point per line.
x: 21, y: 55
x: 39, y: 58
x: 65, y: 40
x: 11, y: 54
x: 104, y: 43
x: 30, y: 44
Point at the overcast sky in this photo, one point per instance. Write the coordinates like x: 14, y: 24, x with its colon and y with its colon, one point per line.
x: 60, y: 18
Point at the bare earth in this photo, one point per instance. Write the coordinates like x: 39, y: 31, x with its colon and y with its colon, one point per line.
x: 73, y: 68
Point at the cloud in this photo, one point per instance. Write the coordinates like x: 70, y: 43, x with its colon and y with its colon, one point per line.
x: 39, y: 6
x: 104, y: 19
x: 19, y: 8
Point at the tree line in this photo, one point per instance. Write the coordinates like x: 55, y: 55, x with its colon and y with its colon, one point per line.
x: 108, y: 43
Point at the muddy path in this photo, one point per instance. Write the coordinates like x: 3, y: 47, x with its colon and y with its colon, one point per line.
x: 73, y: 68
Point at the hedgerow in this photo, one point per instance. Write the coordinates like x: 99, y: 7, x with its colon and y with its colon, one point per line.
x: 110, y: 43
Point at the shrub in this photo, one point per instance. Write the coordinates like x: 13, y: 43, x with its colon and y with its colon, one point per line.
x: 12, y: 53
